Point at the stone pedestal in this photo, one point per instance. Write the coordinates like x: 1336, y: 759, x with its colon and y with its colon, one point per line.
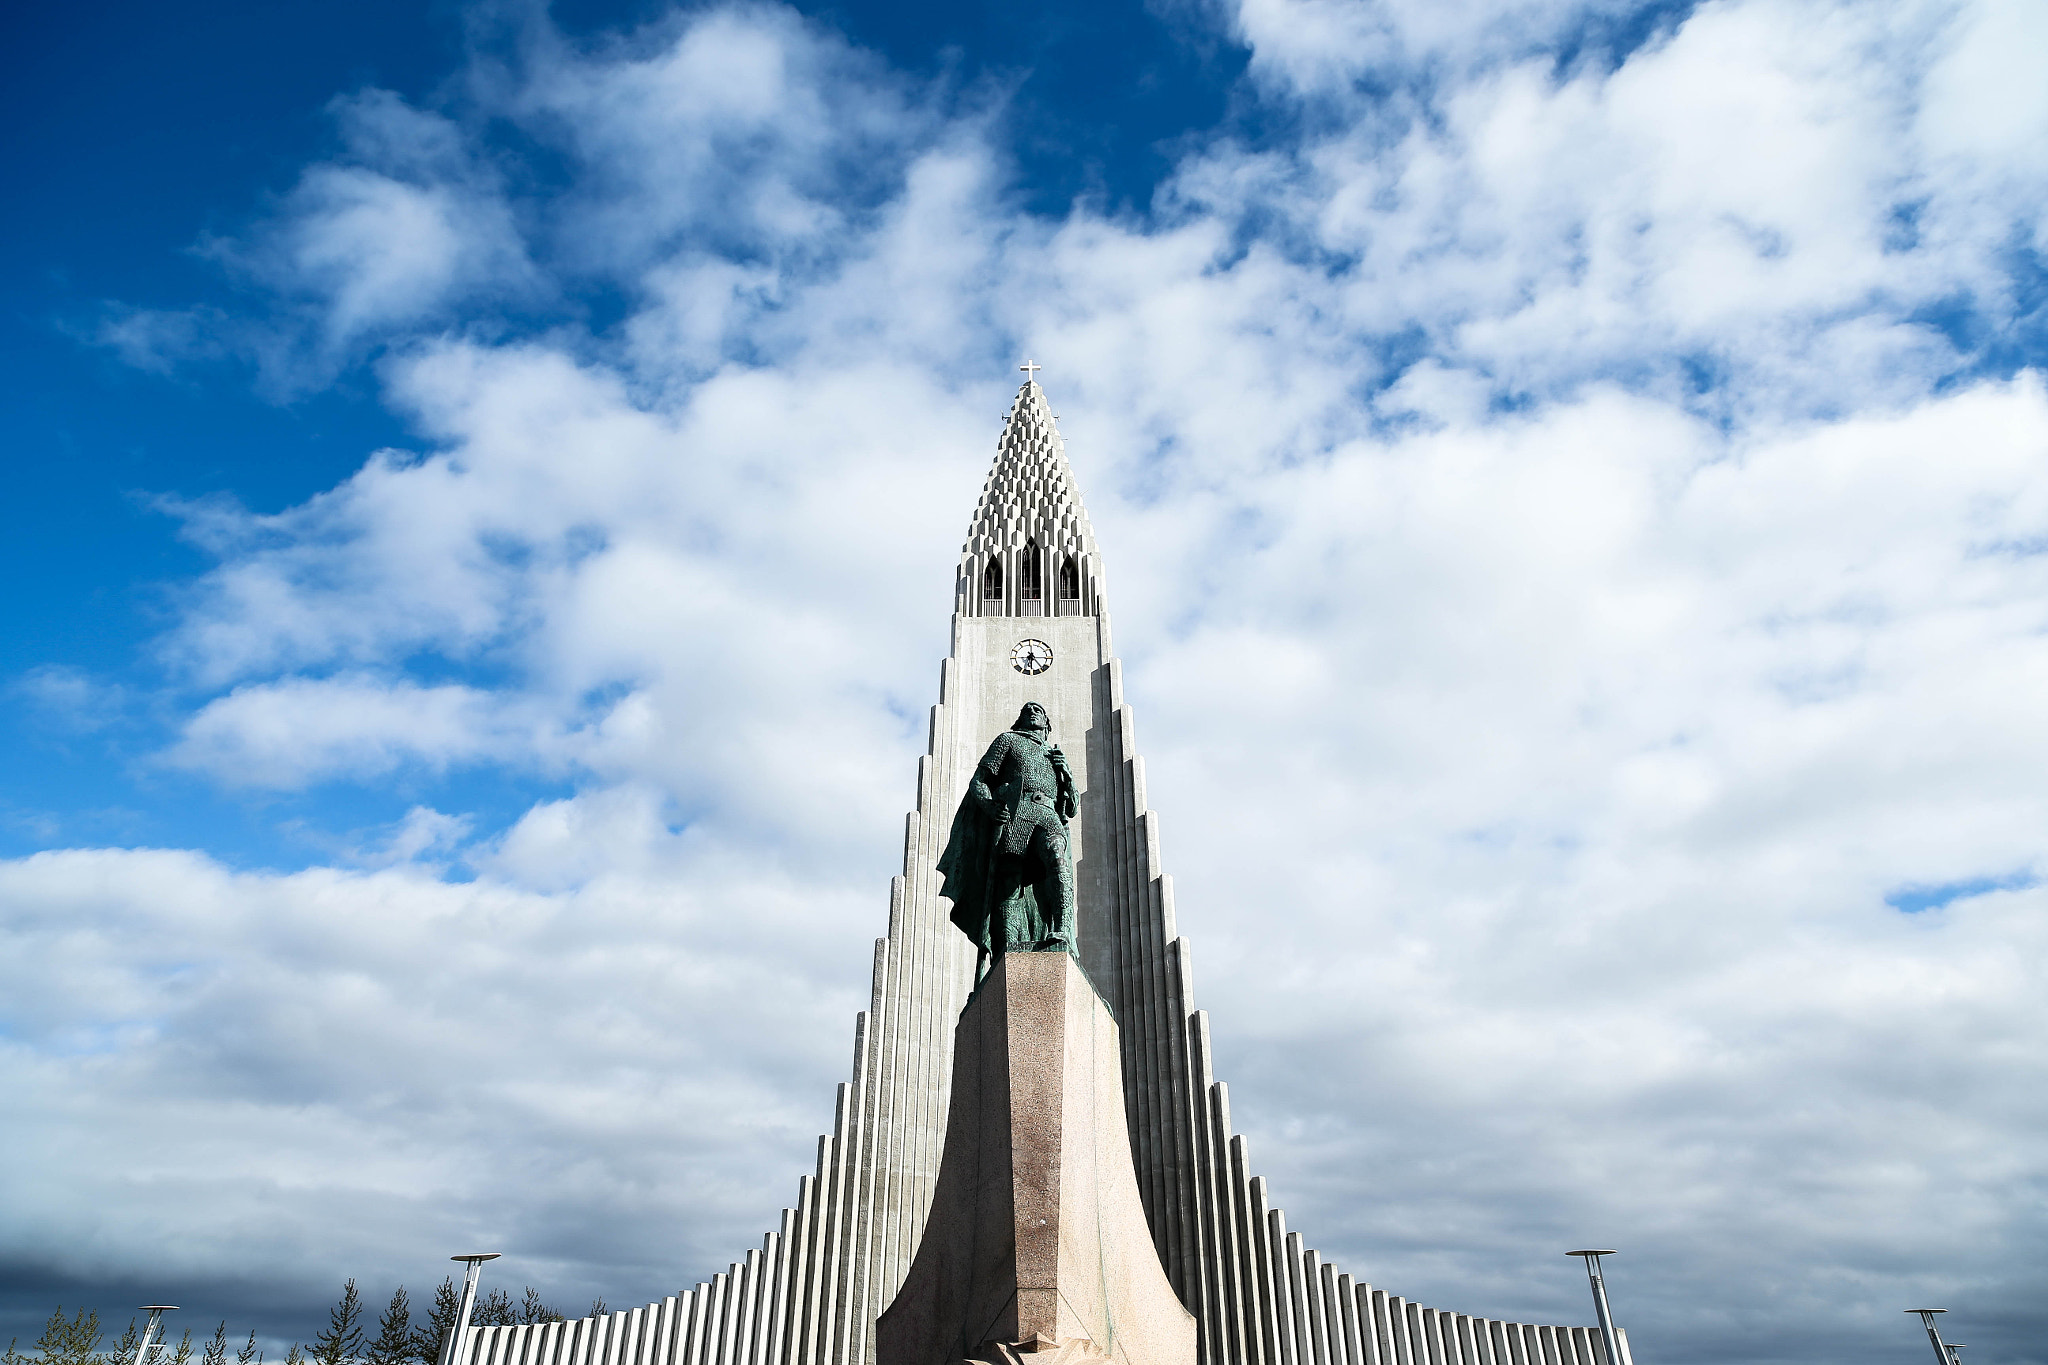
x: 1036, y: 1244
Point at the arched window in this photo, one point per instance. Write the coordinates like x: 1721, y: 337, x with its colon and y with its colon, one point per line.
x: 992, y: 581
x: 1027, y: 575
x: 1070, y: 578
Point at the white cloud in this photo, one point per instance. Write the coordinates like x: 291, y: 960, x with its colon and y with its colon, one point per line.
x: 1753, y: 200
x: 385, y: 252
x: 232, y: 1069
x: 422, y: 832
x: 1980, y: 101
x: 1567, y: 583
x: 734, y: 126
x: 1323, y: 47
x: 301, y: 730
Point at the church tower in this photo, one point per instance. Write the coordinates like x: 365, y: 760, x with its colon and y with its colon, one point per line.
x: 1031, y: 623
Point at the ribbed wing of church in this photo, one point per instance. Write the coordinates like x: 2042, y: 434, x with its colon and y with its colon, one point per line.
x: 1030, y: 624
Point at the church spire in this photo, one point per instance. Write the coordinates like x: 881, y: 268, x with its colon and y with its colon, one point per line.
x: 1030, y: 550
x: 811, y: 1292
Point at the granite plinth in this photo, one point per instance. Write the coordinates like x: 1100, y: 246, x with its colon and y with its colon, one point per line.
x: 1036, y: 1244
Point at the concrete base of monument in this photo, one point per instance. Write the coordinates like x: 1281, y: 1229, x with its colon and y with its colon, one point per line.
x: 1036, y: 1245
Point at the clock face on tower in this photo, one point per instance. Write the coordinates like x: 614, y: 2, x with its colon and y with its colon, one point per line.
x: 1031, y: 656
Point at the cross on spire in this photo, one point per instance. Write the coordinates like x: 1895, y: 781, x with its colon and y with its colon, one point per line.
x: 1031, y: 369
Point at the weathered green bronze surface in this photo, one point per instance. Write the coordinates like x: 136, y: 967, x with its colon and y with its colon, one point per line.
x: 1008, y: 868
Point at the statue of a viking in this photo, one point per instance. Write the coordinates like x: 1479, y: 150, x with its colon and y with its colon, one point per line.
x: 1007, y: 866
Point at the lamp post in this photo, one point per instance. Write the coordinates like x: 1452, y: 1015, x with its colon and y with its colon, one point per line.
x: 156, y: 1313
x: 1607, y: 1336
x: 1941, y: 1348
x: 472, y: 1271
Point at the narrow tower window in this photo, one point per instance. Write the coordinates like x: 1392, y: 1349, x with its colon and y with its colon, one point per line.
x: 1027, y: 575
x: 1070, y: 578
x: 992, y: 581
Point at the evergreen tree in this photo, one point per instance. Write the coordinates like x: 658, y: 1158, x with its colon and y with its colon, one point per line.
x: 393, y: 1345
x: 216, y: 1352
x: 122, y: 1352
x: 533, y: 1310
x: 492, y: 1310
x: 181, y: 1356
x: 295, y: 1356
x: 69, y: 1341
x: 597, y: 1308
x: 427, y: 1339
x: 249, y: 1355
x: 343, y: 1339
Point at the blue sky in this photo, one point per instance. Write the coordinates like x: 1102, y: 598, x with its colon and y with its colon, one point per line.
x: 136, y: 151
x: 1571, y: 473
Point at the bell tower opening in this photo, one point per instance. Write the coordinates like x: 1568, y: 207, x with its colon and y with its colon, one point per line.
x: 992, y: 581
x: 1027, y: 572
x: 1070, y: 578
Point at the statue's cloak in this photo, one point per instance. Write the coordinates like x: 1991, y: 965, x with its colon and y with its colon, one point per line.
x: 1015, y: 892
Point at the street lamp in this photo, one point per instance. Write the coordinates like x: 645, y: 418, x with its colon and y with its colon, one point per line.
x: 156, y: 1313
x: 1600, y: 1301
x: 1942, y: 1350
x: 472, y: 1271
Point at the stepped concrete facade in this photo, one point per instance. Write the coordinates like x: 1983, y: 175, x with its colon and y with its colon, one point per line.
x: 1031, y: 623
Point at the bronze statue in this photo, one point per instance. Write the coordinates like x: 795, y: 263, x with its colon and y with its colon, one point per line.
x: 1007, y: 866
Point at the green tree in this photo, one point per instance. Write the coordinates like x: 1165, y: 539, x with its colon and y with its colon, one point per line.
x: 295, y: 1356
x: 69, y: 1341
x: 183, y: 1355
x: 122, y: 1352
x: 343, y: 1339
x: 216, y: 1352
x: 498, y: 1309
x: 393, y: 1345
x: 249, y: 1355
x: 427, y: 1338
